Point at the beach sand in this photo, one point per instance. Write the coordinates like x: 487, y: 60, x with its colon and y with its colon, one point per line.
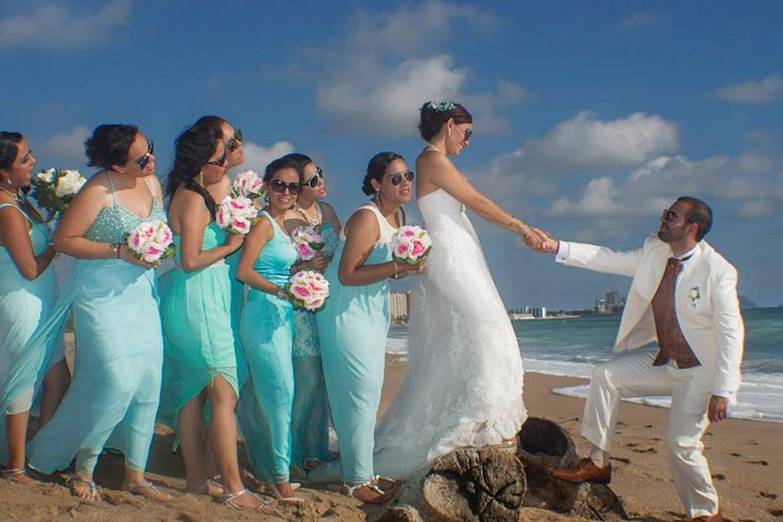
x: 746, y: 459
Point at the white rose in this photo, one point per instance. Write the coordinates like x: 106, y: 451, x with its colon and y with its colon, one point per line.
x: 46, y: 175
x: 69, y: 183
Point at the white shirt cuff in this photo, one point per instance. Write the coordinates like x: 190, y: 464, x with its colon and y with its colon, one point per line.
x: 563, y: 252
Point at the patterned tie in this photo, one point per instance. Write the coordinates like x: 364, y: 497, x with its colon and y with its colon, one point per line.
x: 671, y: 341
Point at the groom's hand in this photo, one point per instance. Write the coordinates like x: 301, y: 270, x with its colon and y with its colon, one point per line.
x: 718, y: 408
x: 542, y: 241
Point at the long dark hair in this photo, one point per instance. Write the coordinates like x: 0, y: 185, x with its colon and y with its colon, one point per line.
x: 192, y: 150
x: 376, y: 169
x: 9, y: 148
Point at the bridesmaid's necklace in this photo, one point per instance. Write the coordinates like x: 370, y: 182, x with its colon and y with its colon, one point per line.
x: 16, y: 196
x: 319, y: 216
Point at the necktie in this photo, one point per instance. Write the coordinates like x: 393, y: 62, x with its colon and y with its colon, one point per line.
x: 671, y: 341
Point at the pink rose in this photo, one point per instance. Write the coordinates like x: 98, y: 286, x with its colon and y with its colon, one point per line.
x: 402, y: 250
x: 300, y: 291
x: 418, y: 248
x: 305, y: 252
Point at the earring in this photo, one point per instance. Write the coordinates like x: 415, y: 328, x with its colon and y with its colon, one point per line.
x: 201, y: 178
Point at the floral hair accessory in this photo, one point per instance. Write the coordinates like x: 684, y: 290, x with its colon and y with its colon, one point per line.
x: 443, y: 106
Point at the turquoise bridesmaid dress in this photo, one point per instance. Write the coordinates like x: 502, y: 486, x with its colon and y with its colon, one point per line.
x: 352, y: 327
x: 310, y: 421
x: 267, y: 333
x: 114, y: 393
x: 195, y: 310
x: 237, y: 302
x: 24, y: 305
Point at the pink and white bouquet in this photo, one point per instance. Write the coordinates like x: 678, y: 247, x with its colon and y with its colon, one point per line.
x: 236, y: 215
x: 308, y: 241
x: 248, y: 184
x: 410, y: 244
x: 54, y: 189
x: 308, y: 290
x: 151, y: 241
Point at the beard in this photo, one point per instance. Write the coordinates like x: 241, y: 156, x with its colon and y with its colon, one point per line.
x: 668, y: 234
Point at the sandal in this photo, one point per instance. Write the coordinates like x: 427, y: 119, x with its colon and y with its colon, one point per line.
x: 146, y: 489
x: 229, y: 498
x: 386, y: 484
x: 18, y: 475
x: 351, y: 492
x: 287, y: 500
x: 93, y: 497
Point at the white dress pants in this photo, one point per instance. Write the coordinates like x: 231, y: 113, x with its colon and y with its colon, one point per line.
x: 633, y: 375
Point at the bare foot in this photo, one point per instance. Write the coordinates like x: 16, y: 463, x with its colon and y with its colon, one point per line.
x: 247, y: 499
x: 286, y: 493
x: 18, y: 475
x: 205, y: 488
x: 146, y: 489
x: 84, y: 488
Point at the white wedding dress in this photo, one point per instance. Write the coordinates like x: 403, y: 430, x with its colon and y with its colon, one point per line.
x: 464, y: 380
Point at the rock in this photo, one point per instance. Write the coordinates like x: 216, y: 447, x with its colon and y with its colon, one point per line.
x: 403, y: 513
x: 544, y: 444
x: 486, y: 484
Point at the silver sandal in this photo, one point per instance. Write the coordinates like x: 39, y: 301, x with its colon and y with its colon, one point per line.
x: 228, y: 500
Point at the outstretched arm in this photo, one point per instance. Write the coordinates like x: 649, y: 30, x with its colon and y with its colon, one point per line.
x: 591, y: 257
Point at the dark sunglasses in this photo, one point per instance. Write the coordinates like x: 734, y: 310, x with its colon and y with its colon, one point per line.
x: 279, y: 186
x: 668, y: 216
x: 235, y: 141
x: 222, y: 161
x: 396, y: 179
x: 143, y: 161
x: 313, y: 182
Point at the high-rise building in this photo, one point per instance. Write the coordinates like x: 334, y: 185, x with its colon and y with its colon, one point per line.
x: 400, y: 305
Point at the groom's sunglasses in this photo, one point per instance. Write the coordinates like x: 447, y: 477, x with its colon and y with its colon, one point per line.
x: 396, y: 179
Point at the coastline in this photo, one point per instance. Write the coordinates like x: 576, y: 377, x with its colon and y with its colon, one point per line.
x: 744, y: 456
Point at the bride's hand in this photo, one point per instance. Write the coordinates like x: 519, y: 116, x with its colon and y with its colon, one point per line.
x: 542, y: 241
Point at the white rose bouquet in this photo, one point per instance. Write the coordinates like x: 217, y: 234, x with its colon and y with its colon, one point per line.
x: 410, y: 244
x: 54, y: 189
x: 151, y: 241
x: 236, y: 215
x: 308, y: 290
x: 308, y: 241
x: 248, y: 184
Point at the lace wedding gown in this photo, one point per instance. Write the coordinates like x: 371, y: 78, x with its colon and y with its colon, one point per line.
x: 464, y: 380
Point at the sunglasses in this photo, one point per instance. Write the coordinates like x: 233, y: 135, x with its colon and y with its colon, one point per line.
x: 313, y: 182
x: 468, y: 134
x: 668, y: 216
x: 235, y: 141
x: 143, y: 161
x: 221, y: 161
x: 396, y: 179
x: 279, y: 186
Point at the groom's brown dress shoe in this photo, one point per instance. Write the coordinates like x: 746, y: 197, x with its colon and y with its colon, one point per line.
x: 712, y: 518
x: 584, y: 471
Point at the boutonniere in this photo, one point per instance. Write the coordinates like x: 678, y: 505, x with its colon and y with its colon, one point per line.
x: 694, y: 295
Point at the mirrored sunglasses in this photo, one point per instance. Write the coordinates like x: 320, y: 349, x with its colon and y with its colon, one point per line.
x: 143, y: 161
x: 396, y: 179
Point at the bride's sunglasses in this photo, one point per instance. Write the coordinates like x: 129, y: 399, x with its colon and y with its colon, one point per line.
x: 313, y: 182
x: 279, y: 186
x: 396, y: 179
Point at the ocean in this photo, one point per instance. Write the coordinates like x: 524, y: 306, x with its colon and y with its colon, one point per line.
x: 572, y: 347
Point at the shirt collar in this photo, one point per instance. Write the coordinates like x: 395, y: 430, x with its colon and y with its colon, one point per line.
x: 687, y: 255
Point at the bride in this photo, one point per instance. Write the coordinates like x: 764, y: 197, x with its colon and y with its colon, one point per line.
x: 464, y: 380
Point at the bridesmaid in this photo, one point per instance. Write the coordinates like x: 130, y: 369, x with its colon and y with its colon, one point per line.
x: 267, y: 332
x: 355, y: 321
x: 196, y: 314
x: 28, y: 290
x: 113, y: 298
x: 310, y: 417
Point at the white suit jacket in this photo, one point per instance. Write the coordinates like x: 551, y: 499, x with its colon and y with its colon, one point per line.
x: 705, y: 300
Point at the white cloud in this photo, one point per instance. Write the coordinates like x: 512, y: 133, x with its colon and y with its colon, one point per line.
x: 587, y: 143
x: 375, y: 77
x: 768, y: 90
x: 55, y: 25
x: 67, y: 147
x: 257, y: 157
x: 641, y: 19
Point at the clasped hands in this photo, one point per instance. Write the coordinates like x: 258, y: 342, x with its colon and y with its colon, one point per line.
x: 539, y: 240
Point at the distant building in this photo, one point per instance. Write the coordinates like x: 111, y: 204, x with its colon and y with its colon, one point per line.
x: 610, y: 303
x: 400, y: 305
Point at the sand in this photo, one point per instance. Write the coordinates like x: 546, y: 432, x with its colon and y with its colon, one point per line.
x: 746, y: 459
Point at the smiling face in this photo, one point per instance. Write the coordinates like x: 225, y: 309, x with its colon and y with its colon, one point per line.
x: 457, y: 137
x: 282, y: 189
x: 141, y: 158
x: 396, y: 185
x: 18, y: 174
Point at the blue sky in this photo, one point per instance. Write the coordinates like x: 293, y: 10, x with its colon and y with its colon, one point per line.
x: 590, y: 117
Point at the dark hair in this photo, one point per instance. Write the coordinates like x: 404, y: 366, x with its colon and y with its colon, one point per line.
x: 192, y: 150
x: 211, y: 121
x: 286, y: 162
x: 9, y: 148
x: 431, y: 119
x: 699, y: 213
x: 109, y: 145
x: 376, y: 169
x: 302, y: 160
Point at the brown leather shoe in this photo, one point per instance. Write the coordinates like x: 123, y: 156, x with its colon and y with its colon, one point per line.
x: 712, y: 518
x: 584, y: 471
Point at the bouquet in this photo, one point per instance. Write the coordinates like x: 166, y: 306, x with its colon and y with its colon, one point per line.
x: 248, y: 184
x: 308, y: 290
x: 53, y: 189
x: 151, y: 241
x: 236, y: 215
x: 308, y: 241
x: 410, y: 244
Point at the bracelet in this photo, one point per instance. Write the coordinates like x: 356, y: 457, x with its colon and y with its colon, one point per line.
x: 281, y: 294
x: 115, y: 249
x: 396, y: 273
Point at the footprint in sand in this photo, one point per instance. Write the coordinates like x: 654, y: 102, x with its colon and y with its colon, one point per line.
x: 759, y: 462
x: 719, y: 476
x: 735, y: 454
x: 648, y: 450
x: 621, y: 459
x: 776, y: 512
x: 770, y: 496
x: 631, y: 445
x: 649, y: 426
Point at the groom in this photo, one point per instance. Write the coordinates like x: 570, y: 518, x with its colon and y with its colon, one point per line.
x: 683, y: 297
